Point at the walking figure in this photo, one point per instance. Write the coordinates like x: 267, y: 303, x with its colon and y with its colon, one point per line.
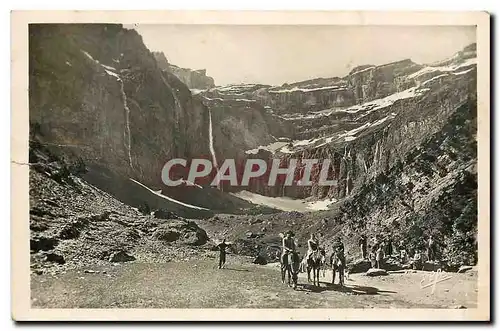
x: 222, y: 253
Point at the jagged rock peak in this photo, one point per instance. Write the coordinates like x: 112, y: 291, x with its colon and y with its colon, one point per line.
x: 194, y: 79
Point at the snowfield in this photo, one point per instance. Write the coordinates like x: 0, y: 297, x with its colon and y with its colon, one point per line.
x: 466, y: 63
x: 368, y: 107
x: 298, y: 89
x: 285, y: 203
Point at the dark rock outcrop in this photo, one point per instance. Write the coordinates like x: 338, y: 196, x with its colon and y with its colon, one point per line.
x: 186, y: 232
x: 260, y: 260
x: 121, y: 256
x: 56, y: 258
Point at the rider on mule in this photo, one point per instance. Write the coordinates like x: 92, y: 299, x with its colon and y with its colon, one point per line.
x: 312, y: 246
x: 338, y: 245
x: 288, y: 244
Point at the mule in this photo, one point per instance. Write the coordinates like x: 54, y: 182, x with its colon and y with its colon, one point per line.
x: 314, y: 263
x: 290, y: 264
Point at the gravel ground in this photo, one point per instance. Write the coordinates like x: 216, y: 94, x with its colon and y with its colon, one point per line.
x: 199, y: 284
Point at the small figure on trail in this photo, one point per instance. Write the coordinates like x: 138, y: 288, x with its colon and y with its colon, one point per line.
x: 403, y: 256
x: 379, y: 256
x: 222, y: 253
x: 416, y: 262
x: 373, y: 257
x: 431, y: 254
x: 388, y: 246
x: 362, y: 245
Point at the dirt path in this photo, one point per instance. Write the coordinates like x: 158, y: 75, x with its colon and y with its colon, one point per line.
x: 199, y: 284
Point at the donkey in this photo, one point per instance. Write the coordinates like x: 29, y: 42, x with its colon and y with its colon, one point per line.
x: 314, y: 263
x: 290, y: 264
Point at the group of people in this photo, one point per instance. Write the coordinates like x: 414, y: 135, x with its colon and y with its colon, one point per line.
x: 382, y: 247
x: 374, y: 252
x: 289, y: 246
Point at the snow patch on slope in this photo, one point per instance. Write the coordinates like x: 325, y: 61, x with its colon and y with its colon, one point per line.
x: 285, y: 203
x: 158, y: 193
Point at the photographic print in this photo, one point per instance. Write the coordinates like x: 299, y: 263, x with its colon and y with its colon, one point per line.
x: 260, y: 166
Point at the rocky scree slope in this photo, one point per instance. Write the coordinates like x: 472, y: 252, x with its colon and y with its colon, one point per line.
x: 74, y: 224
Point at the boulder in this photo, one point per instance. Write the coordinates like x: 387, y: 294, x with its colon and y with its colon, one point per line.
x: 433, y: 266
x: 260, y: 260
x: 464, y: 268
x: 53, y: 257
x: 256, y: 221
x: 164, y: 214
x: 121, y: 256
x: 104, y: 216
x: 392, y: 264
x: 250, y: 234
x: 166, y: 235
x: 376, y: 272
x: 185, y: 232
x: 43, y: 244
x: 359, y: 266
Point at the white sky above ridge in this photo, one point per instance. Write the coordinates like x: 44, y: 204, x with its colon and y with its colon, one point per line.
x: 285, y: 54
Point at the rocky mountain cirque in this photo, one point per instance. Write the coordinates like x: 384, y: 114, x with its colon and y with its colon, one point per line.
x: 368, y: 130
x: 401, y: 138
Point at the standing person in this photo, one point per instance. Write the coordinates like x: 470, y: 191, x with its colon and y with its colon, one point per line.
x: 362, y: 245
x: 222, y: 253
x: 388, y: 246
x: 403, y: 254
x: 372, y: 257
x: 417, y: 259
x: 379, y: 256
x: 430, y: 249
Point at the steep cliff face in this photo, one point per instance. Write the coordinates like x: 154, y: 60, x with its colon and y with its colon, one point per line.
x: 96, y: 92
x: 194, y: 79
x: 241, y: 124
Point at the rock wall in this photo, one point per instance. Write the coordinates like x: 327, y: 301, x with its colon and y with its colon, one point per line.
x: 96, y: 91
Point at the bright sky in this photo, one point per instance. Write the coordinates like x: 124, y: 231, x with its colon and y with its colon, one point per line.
x: 285, y: 54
